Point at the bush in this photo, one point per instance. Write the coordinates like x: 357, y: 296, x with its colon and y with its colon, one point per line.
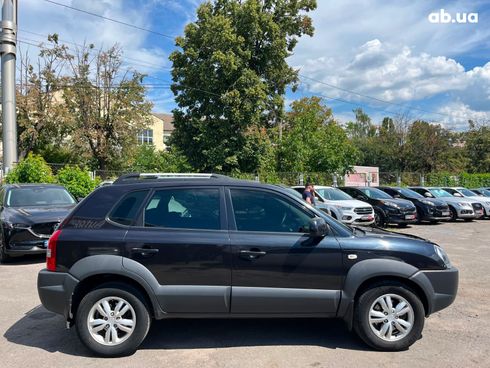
x: 77, y: 181
x: 32, y: 169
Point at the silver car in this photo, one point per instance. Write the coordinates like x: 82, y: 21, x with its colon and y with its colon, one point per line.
x: 466, y: 193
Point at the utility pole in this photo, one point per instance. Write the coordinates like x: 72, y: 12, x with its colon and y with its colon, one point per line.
x: 8, y: 50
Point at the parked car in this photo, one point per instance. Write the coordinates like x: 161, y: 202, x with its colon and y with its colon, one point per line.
x: 483, y: 192
x: 216, y: 247
x: 29, y: 213
x: 461, y: 208
x: 466, y: 193
x: 320, y: 205
x: 387, y: 210
x: 428, y: 209
x: 343, y: 207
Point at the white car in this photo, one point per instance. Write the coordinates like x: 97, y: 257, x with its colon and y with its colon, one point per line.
x: 466, y: 193
x: 342, y: 206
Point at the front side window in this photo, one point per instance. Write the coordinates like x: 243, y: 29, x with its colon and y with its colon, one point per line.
x: 145, y: 136
x: 191, y: 208
x: 265, y: 211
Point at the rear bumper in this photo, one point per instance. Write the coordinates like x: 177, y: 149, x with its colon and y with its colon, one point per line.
x: 444, y: 284
x: 55, y: 291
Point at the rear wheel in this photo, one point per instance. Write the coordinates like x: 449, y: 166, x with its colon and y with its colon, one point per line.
x: 112, y: 320
x: 389, y: 317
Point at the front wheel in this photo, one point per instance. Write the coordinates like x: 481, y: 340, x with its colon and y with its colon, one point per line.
x: 379, y: 219
x: 454, y: 213
x: 389, y: 317
x: 4, y: 257
x: 112, y: 321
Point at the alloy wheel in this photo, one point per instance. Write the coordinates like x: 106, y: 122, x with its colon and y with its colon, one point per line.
x: 391, y: 317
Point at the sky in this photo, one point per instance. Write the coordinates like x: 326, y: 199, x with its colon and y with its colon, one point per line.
x: 390, y: 58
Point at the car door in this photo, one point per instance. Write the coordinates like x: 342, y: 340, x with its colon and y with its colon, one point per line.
x: 278, y: 267
x: 183, y: 241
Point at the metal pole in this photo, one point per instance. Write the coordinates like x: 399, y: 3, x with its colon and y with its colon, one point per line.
x: 8, y: 50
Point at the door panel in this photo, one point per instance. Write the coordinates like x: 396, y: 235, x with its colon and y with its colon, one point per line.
x: 191, y: 264
x: 287, y: 272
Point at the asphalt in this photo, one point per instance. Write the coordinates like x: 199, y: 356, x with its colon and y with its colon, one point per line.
x: 458, y: 336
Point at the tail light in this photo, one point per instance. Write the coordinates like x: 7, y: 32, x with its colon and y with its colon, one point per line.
x: 51, y: 251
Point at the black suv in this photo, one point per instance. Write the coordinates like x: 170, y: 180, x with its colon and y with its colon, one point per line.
x: 387, y: 210
x: 428, y: 209
x: 207, y: 246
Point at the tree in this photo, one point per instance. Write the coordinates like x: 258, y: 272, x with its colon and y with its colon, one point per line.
x: 313, y: 141
x: 148, y: 159
x: 32, y: 169
x: 107, y: 105
x: 427, y: 147
x: 230, y: 75
x: 42, y: 116
x: 76, y: 180
x: 477, y: 148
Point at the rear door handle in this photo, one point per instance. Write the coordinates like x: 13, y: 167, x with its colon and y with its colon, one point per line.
x: 144, y: 251
x: 252, y: 254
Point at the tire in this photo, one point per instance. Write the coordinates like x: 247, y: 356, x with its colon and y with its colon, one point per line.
x: 454, y: 214
x: 394, y: 339
x: 136, y: 312
x: 4, y: 257
x: 379, y: 219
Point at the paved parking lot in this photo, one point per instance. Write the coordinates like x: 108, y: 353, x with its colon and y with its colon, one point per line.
x: 456, y: 337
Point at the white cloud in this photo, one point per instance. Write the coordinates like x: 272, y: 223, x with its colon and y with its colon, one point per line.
x: 459, y: 114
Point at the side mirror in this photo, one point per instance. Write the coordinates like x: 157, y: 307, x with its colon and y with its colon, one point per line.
x: 428, y: 195
x: 396, y: 195
x: 456, y: 194
x: 318, y: 227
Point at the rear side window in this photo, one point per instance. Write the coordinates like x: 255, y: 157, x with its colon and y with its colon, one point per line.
x: 126, y: 210
x: 192, y: 208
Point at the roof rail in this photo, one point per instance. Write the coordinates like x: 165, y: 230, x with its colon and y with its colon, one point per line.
x: 157, y: 176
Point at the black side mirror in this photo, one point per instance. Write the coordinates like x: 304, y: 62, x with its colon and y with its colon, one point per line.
x: 318, y: 227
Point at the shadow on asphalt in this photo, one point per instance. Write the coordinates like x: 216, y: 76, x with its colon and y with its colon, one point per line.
x: 45, y: 330
x: 25, y: 260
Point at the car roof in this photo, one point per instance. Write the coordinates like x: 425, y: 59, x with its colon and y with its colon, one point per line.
x: 32, y: 185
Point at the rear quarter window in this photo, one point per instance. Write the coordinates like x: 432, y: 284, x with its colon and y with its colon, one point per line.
x: 127, y: 209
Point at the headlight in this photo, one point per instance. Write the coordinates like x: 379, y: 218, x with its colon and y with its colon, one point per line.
x: 16, y: 226
x: 442, y: 255
x: 464, y: 204
x: 390, y: 204
x: 428, y: 203
x: 343, y: 208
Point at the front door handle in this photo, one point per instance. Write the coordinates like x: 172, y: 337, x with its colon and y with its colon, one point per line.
x: 144, y: 251
x: 252, y: 254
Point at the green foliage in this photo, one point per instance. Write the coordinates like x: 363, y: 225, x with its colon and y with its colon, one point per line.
x: 313, y: 141
x: 230, y: 75
x: 77, y: 181
x: 478, y: 148
x: 32, y: 169
x: 148, y: 159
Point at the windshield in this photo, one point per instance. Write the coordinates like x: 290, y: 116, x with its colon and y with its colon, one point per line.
x: 333, y: 194
x: 467, y: 193
x: 38, y: 196
x: 409, y: 193
x: 439, y: 193
x: 375, y: 193
x: 485, y: 192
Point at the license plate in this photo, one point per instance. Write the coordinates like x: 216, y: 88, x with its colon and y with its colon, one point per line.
x: 446, y: 213
x: 367, y: 217
x: 45, y: 244
x: 409, y: 217
x: 479, y: 212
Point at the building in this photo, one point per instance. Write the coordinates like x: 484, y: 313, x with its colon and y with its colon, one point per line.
x: 158, y: 132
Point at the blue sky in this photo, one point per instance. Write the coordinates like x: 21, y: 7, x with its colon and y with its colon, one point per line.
x: 377, y: 50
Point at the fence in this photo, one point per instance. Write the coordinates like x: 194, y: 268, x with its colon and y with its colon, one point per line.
x: 443, y: 179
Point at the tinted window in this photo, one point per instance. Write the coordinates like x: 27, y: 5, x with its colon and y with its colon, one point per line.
x: 38, y: 196
x: 265, y: 211
x: 467, y: 192
x: 184, y: 209
x: 409, y: 193
x: 126, y: 210
x: 439, y: 193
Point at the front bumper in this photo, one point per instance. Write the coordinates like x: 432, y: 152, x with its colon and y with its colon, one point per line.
x: 441, y: 287
x: 55, y: 290
x: 466, y: 213
x: 401, y: 218
x: 350, y: 217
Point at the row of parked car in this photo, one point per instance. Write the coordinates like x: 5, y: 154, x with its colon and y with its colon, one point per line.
x: 398, y: 205
x: 29, y: 213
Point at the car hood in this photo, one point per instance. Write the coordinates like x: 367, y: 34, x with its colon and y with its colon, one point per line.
x: 33, y: 215
x: 481, y: 200
x: 436, y: 201
x: 402, y: 203
x: 349, y: 203
x: 455, y: 199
